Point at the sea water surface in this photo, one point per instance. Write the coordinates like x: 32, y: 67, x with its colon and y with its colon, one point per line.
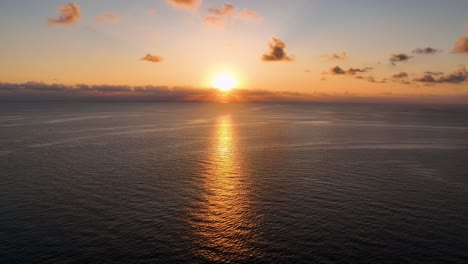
x: 233, y: 183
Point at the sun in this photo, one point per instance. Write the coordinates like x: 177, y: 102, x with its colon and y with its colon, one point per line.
x: 224, y: 82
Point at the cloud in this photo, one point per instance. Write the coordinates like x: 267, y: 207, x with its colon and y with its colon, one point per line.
x: 337, y: 70
x: 107, y: 17
x: 335, y: 56
x: 226, y: 10
x: 36, y: 91
x: 461, y: 46
x: 189, y: 4
x: 427, y: 50
x: 69, y: 14
x: 400, y: 75
x: 41, y: 91
x: 427, y: 78
x: 213, y: 20
x: 433, y: 73
x: 277, y: 51
x: 399, y: 57
x: 458, y: 76
x: 249, y: 14
x: 373, y: 80
x: 220, y: 16
x: 153, y: 58
x: 353, y: 71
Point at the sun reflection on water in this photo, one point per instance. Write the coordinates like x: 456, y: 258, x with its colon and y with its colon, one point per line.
x: 221, y: 219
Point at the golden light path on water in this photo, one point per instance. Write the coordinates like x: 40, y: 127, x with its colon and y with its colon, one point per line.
x: 222, y: 224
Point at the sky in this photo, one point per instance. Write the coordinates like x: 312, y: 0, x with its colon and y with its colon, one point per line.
x: 300, y: 50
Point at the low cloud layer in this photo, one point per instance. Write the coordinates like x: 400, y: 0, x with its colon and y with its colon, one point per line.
x: 427, y: 50
x: 458, y: 76
x: 189, y: 4
x: 69, y: 14
x: 461, y: 46
x: 107, y: 17
x: 153, y: 58
x: 334, y: 56
x: 37, y: 91
x: 41, y: 91
x: 277, y: 51
x: 399, y: 57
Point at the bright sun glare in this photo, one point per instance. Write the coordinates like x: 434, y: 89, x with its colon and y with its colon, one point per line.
x: 224, y: 82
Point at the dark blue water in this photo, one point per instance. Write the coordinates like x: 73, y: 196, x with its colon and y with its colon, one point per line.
x: 233, y: 183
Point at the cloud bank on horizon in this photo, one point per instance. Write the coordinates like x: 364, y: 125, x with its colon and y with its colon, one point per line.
x: 37, y: 91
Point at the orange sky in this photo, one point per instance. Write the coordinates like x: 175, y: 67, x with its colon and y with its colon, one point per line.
x: 332, y: 48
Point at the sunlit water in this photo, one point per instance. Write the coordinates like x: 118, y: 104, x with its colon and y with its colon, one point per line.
x: 246, y: 183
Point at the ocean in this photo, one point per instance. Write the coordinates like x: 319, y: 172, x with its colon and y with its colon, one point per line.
x: 120, y: 182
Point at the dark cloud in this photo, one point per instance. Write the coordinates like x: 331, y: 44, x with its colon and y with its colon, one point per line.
x: 458, y: 76
x: 190, y: 4
x: 44, y: 87
x: 352, y: 71
x: 107, y: 17
x: 337, y: 70
x: 153, y: 58
x: 334, y: 56
x: 400, y: 75
x: 111, y: 88
x: 69, y: 14
x: 399, y: 57
x: 427, y: 50
x: 461, y: 46
x: 277, y: 51
x: 427, y: 78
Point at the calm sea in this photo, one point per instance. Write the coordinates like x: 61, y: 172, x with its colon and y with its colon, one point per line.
x: 233, y: 183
